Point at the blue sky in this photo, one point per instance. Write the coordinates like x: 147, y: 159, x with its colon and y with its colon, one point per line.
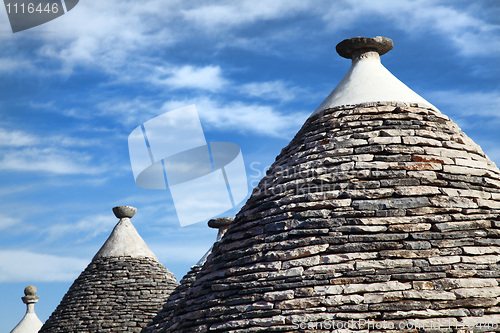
x: 72, y: 90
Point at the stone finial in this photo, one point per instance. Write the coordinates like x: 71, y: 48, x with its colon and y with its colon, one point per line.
x: 124, y: 211
x: 30, y: 322
x: 353, y: 46
x: 221, y: 223
x: 30, y: 295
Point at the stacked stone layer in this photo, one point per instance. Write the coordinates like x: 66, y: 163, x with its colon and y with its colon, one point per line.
x: 175, y: 300
x: 113, y: 294
x: 382, y: 212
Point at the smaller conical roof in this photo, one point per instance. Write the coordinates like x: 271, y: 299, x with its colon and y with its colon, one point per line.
x: 368, y: 80
x: 30, y: 322
x: 121, y: 290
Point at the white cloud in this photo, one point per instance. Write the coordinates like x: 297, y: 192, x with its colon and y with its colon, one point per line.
x: 228, y: 116
x: 245, y: 118
x: 107, y: 33
x: 7, y: 222
x: 28, y: 152
x: 12, y: 65
x: 84, y: 229
x: 15, y: 138
x: 130, y: 112
x: 230, y: 14
x: 49, y: 160
x: 26, y: 266
x: 463, y: 26
x: 15, y: 189
x: 190, y: 77
x: 470, y: 104
x: 123, y: 38
x: 272, y: 90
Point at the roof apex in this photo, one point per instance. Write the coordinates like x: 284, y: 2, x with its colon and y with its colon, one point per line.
x: 125, y: 241
x: 368, y: 80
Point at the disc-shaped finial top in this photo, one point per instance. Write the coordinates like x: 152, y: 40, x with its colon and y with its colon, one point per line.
x: 352, y: 46
x: 30, y: 291
x: 124, y: 211
x: 220, y: 222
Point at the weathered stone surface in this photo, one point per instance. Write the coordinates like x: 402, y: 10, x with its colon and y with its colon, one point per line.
x: 447, y: 284
x: 444, y: 260
x: 390, y: 296
x: 278, y: 295
x: 429, y: 294
x: 477, y: 292
x: 382, y: 264
x: 376, y: 287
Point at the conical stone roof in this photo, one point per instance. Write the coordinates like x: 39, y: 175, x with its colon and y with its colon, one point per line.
x: 380, y: 215
x: 121, y: 290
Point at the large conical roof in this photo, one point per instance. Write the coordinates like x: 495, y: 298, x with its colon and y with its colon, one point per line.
x: 121, y: 290
x: 379, y: 215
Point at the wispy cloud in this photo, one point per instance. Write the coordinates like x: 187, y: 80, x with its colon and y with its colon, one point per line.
x: 231, y: 14
x: 475, y: 105
x: 273, y: 90
x: 463, y: 27
x: 244, y: 118
x: 7, y: 222
x: 24, y: 265
x: 4, y: 190
x: 53, y: 154
x: 49, y: 160
x: 16, y: 138
x: 105, y: 34
x: 190, y: 77
x: 250, y: 118
x: 137, y: 34
x: 130, y: 112
x: 83, y: 229
x: 11, y: 65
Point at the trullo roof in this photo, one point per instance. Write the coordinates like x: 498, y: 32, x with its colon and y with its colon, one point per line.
x: 121, y: 290
x: 381, y: 215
